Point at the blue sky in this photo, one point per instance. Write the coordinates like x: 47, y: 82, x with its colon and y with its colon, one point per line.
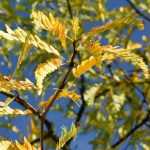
x: 81, y: 142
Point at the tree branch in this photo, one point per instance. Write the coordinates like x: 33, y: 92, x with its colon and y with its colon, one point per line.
x: 83, y: 106
x: 27, y: 105
x: 63, y: 83
x: 132, y: 131
x: 137, y: 126
x: 138, y: 11
x: 82, y: 81
x: 69, y: 9
x: 41, y: 132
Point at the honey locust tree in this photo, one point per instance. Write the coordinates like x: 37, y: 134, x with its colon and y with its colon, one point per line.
x: 78, y: 61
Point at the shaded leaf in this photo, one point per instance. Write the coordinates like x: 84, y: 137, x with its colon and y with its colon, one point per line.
x: 21, y: 35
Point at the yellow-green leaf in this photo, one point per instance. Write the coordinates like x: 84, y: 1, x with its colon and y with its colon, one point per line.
x: 8, y: 84
x: 64, y: 93
x: 66, y: 136
x: 7, y: 145
x: 6, y: 110
x: 44, y: 69
x: 10, y: 145
x: 25, y: 146
x: 119, y: 22
x: 21, y: 35
x: 51, y: 24
x: 85, y: 65
x: 24, y: 51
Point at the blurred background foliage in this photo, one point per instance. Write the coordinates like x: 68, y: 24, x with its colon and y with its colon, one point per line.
x: 117, y: 95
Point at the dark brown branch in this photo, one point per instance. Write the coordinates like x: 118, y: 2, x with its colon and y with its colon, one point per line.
x: 63, y: 83
x: 144, y: 100
x: 83, y: 105
x: 46, y: 136
x: 132, y: 131
x: 128, y: 80
x: 22, y: 102
x: 82, y: 89
x: 42, y: 135
x: 140, y: 13
x: 143, y: 122
x: 27, y: 105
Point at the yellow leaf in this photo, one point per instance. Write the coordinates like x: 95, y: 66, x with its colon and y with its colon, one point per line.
x: 34, y: 128
x: 135, y: 60
x: 7, y: 145
x: 8, y: 84
x: 91, y: 93
x: 6, y: 110
x: 70, y: 94
x: 127, y: 55
x: 85, y: 65
x: 109, y: 53
x: 133, y: 46
x: 119, y: 22
x: 21, y: 35
x: 66, y: 136
x: 24, y: 51
x: 25, y: 146
x: 44, y: 69
x: 101, y: 9
x: 51, y: 24
x: 145, y: 146
x: 64, y: 93
x: 9, y: 100
x: 95, y: 48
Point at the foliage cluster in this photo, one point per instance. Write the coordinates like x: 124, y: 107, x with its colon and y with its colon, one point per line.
x: 98, y: 78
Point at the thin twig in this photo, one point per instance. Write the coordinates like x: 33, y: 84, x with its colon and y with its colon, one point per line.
x: 22, y: 102
x: 140, y: 13
x: 63, y: 83
x: 28, y: 106
x: 132, y: 131
x: 83, y: 106
x: 82, y: 81
x: 139, y: 125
